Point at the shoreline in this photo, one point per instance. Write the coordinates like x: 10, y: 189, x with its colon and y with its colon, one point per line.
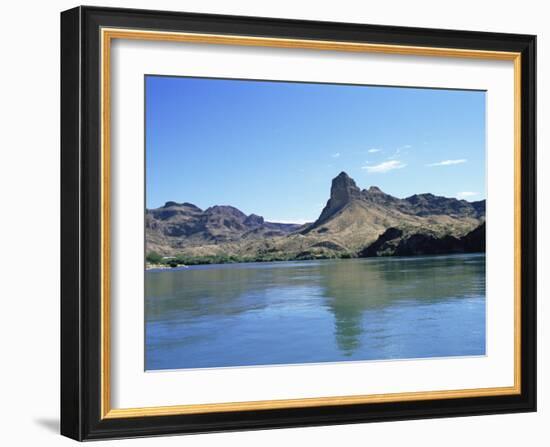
x: 185, y: 266
x: 160, y: 266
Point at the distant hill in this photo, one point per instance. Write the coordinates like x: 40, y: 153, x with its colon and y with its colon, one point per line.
x: 352, y: 220
x: 175, y: 226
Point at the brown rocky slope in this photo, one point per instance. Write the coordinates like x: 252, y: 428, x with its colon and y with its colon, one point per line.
x: 351, y: 221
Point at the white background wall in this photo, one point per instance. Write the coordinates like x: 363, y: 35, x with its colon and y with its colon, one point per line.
x: 29, y: 185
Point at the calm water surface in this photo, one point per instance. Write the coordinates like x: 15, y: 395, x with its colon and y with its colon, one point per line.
x: 315, y: 311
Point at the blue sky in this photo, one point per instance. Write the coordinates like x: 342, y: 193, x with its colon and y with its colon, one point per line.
x: 272, y: 148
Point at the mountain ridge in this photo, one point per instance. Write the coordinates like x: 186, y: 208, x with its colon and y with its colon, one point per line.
x: 351, y: 220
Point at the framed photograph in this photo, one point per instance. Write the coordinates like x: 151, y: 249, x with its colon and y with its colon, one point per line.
x: 277, y: 223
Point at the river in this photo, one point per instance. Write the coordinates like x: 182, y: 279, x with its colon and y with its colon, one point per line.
x: 315, y: 311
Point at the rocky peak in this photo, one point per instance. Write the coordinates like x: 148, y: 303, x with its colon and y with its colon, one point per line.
x: 342, y: 191
x: 375, y: 190
x: 375, y: 195
x: 174, y: 209
x: 421, y: 198
x: 172, y: 204
x: 225, y: 210
x: 253, y: 220
x: 430, y: 204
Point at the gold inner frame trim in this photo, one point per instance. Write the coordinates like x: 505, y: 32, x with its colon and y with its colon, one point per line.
x: 107, y: 35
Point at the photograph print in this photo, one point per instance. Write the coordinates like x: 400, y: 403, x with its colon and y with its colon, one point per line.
x: 295, y: 223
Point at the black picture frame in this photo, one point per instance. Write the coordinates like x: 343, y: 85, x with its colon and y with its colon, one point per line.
x: 81, y: 223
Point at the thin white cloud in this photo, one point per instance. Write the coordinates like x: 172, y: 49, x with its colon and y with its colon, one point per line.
x: 449, y: 162
x: 336, y: 155
x: 374, y: 150
x: 385, y: 166
x: 402, y: 150
x: 465, y: 194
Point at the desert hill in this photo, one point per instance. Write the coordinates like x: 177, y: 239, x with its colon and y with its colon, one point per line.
x: 352, y: 220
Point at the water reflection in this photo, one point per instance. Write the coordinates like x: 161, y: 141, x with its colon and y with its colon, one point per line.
x: 315, y: 311
x: 352, y: 288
